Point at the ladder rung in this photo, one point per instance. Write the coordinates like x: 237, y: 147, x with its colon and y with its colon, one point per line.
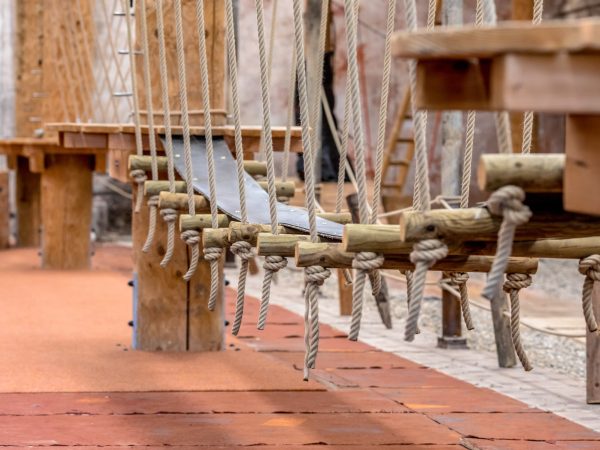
x: 399, y: 163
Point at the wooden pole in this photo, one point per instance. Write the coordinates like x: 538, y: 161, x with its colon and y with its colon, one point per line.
x: 28, y: 205
x: 532, y: 173
x: 254, y: 168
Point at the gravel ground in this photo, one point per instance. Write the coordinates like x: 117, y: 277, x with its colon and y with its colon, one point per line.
x: 558, y: 278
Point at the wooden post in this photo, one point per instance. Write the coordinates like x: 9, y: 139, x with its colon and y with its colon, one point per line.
x: 4, y: 211
x: 452, y: 132
x: 28, y: 195
x: 67, y: 211
x: 593, y: 355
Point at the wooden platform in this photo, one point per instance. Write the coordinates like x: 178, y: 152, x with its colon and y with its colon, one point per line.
x: 93, y: 390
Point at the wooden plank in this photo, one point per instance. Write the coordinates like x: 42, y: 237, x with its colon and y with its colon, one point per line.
x: 117, y: 165
x: 516, y: 36
x: 84, y: 140
x: 160, y: 313
x: 345, y: 294
x: 593, y: 355
x: 28, y: 205
x: 66, y: 212
x: 4, y: 211
x: 582, y: 165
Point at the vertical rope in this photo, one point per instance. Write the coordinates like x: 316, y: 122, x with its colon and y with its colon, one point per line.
x: 425, y: 253
x: 139, y: 176
x: 367, y: 263
x: 314, y: 276
x: 190, y: 237
x: 242, y: 249
x: 513, y: 284
x: 211, y: 254
x: 153, y: 200
x: 169, y: 215
x: 272, y: 264
x: 590, y: 268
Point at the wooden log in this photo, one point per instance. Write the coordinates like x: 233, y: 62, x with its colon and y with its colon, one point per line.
x: 156, y: 187
x: 345, y: 293
x: 200, y: 221
x: 254, y: 168
x: 332, y: 255
x: 67, y: 212
x: 477, y: 224
x: 341, y: 218
x: 279, y: 245
x: 4, y: 211
x: 282, y: 189
x: 385, y: 240
x: 532, y: 173
x: 180, y: 202
x: 215, y: 237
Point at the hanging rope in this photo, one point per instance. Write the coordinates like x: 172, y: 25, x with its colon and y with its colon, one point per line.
x: 242, y: 249
x: 169, y: 215
x: 590, y: 268
x: 314, y: 276
x: 190, y: 237
x: 425, y: 253
x: 368, y: 263
x: 153, y: 200
x: 459, y: 279
x: 138, y: 175
x: 272, y: 264
x: 513, y: 284
x: 211, y: 254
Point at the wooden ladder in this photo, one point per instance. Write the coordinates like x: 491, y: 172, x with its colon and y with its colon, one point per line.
x: 396, y: 163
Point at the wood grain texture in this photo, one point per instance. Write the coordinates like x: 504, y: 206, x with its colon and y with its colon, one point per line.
x: 201, y: 221
x: 332, y: 255
x: 279, y: 245
x: 180, y: 202
x: 28, y: 205
x: 66, y: 205
x: 582, y: 165
x: 532, y: 173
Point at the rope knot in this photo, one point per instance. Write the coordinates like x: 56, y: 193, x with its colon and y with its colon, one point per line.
x: 169, y: 215
x: 213, y: 253
x: 316, y: 275
x: 274, y: 263
x: 190, y: 237
x: 508, y: 203
x: 367, y: 261
x: 516, y: 281
x: 242, y: 249
x: 428, y: 252
x: 458, y: 278
x: 153, y: 201
x: 139, y: 176
x: 590, y: 267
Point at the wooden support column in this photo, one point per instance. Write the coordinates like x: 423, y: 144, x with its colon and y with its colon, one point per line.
x: 4, y: 211
x: 29, y: 218
x: 593, y: 355
x: 66, y: 204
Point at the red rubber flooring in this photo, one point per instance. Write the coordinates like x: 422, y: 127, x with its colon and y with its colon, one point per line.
x: 359, y: 398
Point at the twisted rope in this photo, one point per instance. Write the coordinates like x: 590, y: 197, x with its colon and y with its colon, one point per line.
x: 241, y: 249
x: 508, y: 203
x: 408, y: 274
x: 513, y: 284
x: 152, y: 203
x: 169, y: 215
x: 427, y: 252
x: 590, y: 268
x: 272, y: 264
x: 314, y: 277
x: 423, y: 256
x: 190, y: 237
x: 139, y: 147
x: 211, y: 254
x: 459, y: 279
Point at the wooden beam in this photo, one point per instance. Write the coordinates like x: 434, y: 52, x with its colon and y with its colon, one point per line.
x: 532, y: 173
x: 332, y: 255
x: 200, y: 221
x: 255, y: 168
x: 180, y: 202
x: 4, y: 211
x: 28, y: 205
x: 282, y: 189
x: 66, y: 206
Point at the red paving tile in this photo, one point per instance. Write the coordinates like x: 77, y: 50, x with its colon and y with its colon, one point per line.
x: 197, y: 403
x: 349, y: 360
x: 524, y: 426
x: 224, y: 429
x: 340, y: 344
x: 448, y: 400
x: 482, y: 444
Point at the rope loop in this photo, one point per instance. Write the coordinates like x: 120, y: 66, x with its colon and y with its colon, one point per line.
x: 242, y: 249
x: 192, y: 239
x: 169, y: 215
x: 153, y: 201
x: 590, y: 267
x: 272, y: 264
x: 365, y: 263
x: 508, y: 203
x: 275, y: 263
x: 213, y: 255
x: 427, y: 252
x: 512, y: 285
x: 316, y: 275
x: 459, y: 279
x: 139, y: 177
